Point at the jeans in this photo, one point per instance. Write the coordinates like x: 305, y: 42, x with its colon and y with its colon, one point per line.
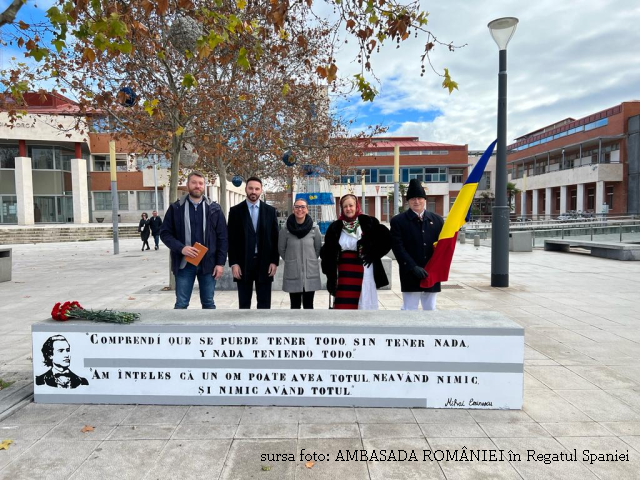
x: 299, y: 299
x: 156, y: 238
x: 185, y: 278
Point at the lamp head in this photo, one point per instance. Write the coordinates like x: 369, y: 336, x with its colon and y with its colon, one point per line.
x: 502, y: 29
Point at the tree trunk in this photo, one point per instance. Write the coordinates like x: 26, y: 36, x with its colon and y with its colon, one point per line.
x: 173, y: 191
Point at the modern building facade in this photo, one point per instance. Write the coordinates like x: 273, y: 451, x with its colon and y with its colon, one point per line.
x: 588, y: 165
x: 442, y: 169
x: 52, y: 172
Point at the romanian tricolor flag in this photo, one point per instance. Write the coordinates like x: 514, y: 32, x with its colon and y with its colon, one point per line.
x: 440, y: 262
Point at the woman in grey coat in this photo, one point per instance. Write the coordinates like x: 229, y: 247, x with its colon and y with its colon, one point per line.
x: 299, y: 245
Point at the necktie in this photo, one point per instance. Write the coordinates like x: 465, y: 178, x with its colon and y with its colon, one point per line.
x: 254, y: 217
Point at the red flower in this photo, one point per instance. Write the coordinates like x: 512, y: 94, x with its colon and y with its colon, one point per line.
x: 64, y: 311
x: 55, y: 312
x: 75, y: 304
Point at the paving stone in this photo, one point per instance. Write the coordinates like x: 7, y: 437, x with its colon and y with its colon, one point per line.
x: 100, y: 414
x: 390, y: 430
x: 602, y: 377
x: 190, y: 459
x: 502, y: 416
x: 332, y: 430
x: 442, y: 415
x: 120, y: 460
x: 401, y: 470
x: 599, y: 405
x: 203, y: 431
x: 156, y: 414
x: 211, y: 414
x: 287, y: 430
x: 246, y: 459
x: 604, y: 445
x: 513, y: 430
x: 330, y: 468
x: 560, y: 377
x: 547, y: 407
x: 270, y: 415
x: 23, y: 432
x: 327, y: 415
x: 142, y: 432
x: 621, y: 428
x: 48, y: 459
x: 385, y: 415
x: 66, y: 431
x: 41, y: 414
x: 577, y: 429
x: 453, y: 430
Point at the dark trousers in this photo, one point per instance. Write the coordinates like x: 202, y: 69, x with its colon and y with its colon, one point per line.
x: 302, y: 298
x: 245, y: 288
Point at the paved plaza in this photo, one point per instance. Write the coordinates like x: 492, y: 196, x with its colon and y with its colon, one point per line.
x: 582, y: 382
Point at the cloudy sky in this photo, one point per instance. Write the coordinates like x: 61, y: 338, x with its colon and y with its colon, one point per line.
x: 568, y: 58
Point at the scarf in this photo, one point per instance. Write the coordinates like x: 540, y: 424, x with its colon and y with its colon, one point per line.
x: 187, y: 225
x: 300, y: 230
x: 350, y: 225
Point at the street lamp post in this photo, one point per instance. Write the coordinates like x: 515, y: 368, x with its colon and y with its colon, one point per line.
x: 502, y: 29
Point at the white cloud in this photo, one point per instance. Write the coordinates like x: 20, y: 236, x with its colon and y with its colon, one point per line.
x: 566, y: 59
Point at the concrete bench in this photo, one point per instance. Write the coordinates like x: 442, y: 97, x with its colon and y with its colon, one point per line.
x: 5, y: 265
x: 611, y: 250
x: 434, y: 359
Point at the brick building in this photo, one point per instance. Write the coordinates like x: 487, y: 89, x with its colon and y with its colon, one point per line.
x: 586, y: 165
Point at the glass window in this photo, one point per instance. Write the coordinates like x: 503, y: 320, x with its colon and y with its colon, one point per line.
x: 485, y: 181
x: 65, y: 156
x: 41, y: 157
x: 610, y: 196
x: 561, y: 134
x: 9, y: 209
x: 102, y: 200
x: 385, y: 175
x: 8, y: 156
x: 146, y: 201
x: 456, y: 175
x: 404, y: 173
x: 101, y: 163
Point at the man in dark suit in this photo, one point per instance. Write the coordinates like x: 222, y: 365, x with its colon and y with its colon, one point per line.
x: 56, y: 352
x: 413, y: 234
x: 253, y: 246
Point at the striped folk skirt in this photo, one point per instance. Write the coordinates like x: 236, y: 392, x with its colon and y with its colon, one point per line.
x: 350, y: 274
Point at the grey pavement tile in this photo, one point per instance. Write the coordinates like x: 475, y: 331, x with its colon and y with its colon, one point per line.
x: 401, y: 470
x: 559, y: 377
x: 631, y: 397
x: 23, y: 432
x: 513, y: 430
x: 246, y: 459
x: 631, y: 372
x: 621, y: 428
x: 66, y: 431
x: 17, y: 448
x: 471, y: 470
x: 502, y: 416
x: 327, y: 415
x: 530, y: 383
x: 287, y: 430
x: 204, y: 431
x: 156, y: 414
x: 633, y: 441
x: 41, y: 414
x: 603, y: 377
x: 100, y: 414
x: 599, y: 405
x: 577, y: 429
x: 531, y: 464
x: 385, y: 415
x: 48, y: 459
x: 331, y: 430
x: 390, y: 430
x: 330, y: 468
x: 190, y: 460
x: 212, y: 414
x: 547, y: 407
x: 270, y: 415
x: 442, y: 415
x: 121, y: 460
x: 602, y: 446
x: 142, y: 432
x: 452, y: 430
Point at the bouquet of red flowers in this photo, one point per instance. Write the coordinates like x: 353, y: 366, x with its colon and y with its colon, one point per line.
x: 64, y: 311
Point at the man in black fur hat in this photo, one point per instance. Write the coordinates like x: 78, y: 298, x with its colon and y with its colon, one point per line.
x: 413, y: 234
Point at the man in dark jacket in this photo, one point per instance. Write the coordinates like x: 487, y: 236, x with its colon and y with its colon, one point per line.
x: 193, y: 219
x: 253, y: 246
x: 413, y: 234
x: 155, y: 222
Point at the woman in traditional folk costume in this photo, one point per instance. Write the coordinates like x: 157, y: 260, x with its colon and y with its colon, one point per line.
x: 351, y: 257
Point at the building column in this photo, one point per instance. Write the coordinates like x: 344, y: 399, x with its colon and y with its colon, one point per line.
x: 547, y: 202
x: 580, y: 197
x: 24, y: 190
x: 563, y: 199
x: 534, y: 203
x: 165, y: 196
x: 378, y: 212
x: 79, y: 190
x: 523, y: 203
x: 599, y: 196
x: 445, y: 205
